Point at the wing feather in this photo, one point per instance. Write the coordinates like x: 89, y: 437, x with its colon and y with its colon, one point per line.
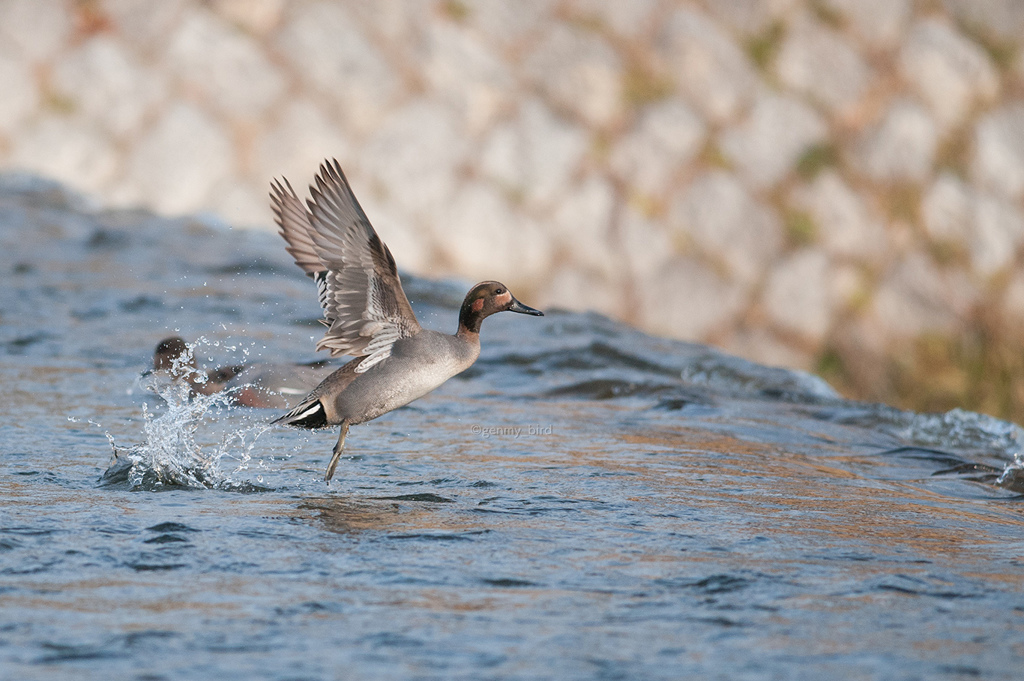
x: 360, y: 292
x: 294, y: 226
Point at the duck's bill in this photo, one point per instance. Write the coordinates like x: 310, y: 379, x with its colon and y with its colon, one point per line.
x: 524, y: 309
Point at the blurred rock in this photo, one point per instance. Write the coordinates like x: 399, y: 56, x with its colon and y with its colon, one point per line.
x: 998, y: 233
x: 879, y: 22
x: 255, y: 16
x: 583, y: 227
x: 1003, y: 18
x: 67, y: 150
x: 484, y: 239
x: 535, y: 155
x: 750, y: 17
x: 722, y: 220
x: 666, y: 138
x: 177, y: 163
x: 999, y: 150
x: 410, y: 243
x: 21, y: 96
x: 946, y: 210
x: 845, y: 226
x: 948, y: 71
x: 223, y: 65
x: 466, y: 74
x: 507, y: 24
x: 579, y: 72
x: 1013, y: 300
x: 418, y: 172
x: 297, y: 143
x: 820, y: 63
x: 767, y: 145
x: 575, y: 288
x: 397, y: 24
x: 796, y: 298
x: 628, y: 19
x: 101, y: 81
x: 324, y: 46
x: 764, y: 347
x: 902, y: 146
x: 690, y: 300
x: 913, y: 300
x: 35, y: 29
x: 247, y: 203
x: 644, y: 245
x: 145, y: 26
x: 991, y: 228
x: 849, y: 285
x: 708, y: 66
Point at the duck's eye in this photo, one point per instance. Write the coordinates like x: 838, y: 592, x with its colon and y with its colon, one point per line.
x: 498, y: 291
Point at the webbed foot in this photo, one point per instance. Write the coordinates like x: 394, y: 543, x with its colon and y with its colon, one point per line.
x: 338, y: 449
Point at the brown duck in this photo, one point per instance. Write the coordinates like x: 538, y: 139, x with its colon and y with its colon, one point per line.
x: 269, y: 386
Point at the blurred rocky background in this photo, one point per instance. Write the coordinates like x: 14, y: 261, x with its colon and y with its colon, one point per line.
x: 833, y: 185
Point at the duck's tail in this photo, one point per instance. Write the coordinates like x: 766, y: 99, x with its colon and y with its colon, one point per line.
x: 310, y: 413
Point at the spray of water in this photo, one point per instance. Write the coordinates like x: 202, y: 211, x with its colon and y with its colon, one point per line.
x: 191, y: 443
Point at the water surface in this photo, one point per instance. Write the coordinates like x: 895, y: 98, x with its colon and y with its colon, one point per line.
x: 586, y: 502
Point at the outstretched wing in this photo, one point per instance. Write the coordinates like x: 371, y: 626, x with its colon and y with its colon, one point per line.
x: 293, y: 222
x: 360, y: 292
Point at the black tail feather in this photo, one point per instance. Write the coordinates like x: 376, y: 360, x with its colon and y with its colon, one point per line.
x: 309, y: 414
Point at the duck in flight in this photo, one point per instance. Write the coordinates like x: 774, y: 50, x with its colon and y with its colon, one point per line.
x: 367, y: 314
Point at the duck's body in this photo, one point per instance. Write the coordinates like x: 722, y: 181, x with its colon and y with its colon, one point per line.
x: 368, y: 315
x: 417, y: 365
x: 268, y: 386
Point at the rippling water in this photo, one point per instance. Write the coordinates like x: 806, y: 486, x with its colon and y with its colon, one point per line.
x: 585, y: 502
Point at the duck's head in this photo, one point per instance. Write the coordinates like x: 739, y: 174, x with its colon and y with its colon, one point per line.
x: 485, y: 299
x: 172, y: 355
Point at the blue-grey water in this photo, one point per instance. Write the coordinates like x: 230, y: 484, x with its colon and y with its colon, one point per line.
x: 587, y: 502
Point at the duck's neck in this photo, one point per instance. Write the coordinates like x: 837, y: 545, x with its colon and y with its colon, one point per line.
x: 468, y: 334
x: 469, y: 321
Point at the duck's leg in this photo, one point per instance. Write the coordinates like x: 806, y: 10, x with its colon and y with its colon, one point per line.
x: 338, y: 449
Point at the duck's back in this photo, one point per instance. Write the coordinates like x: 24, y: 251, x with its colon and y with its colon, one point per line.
x: 416, y: 366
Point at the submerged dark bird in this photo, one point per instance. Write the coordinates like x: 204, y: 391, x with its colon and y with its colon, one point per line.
x: 367, y: 313
x: 275, y: 386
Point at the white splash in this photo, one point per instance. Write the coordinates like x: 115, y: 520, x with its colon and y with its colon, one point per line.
x: 191, y: 441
